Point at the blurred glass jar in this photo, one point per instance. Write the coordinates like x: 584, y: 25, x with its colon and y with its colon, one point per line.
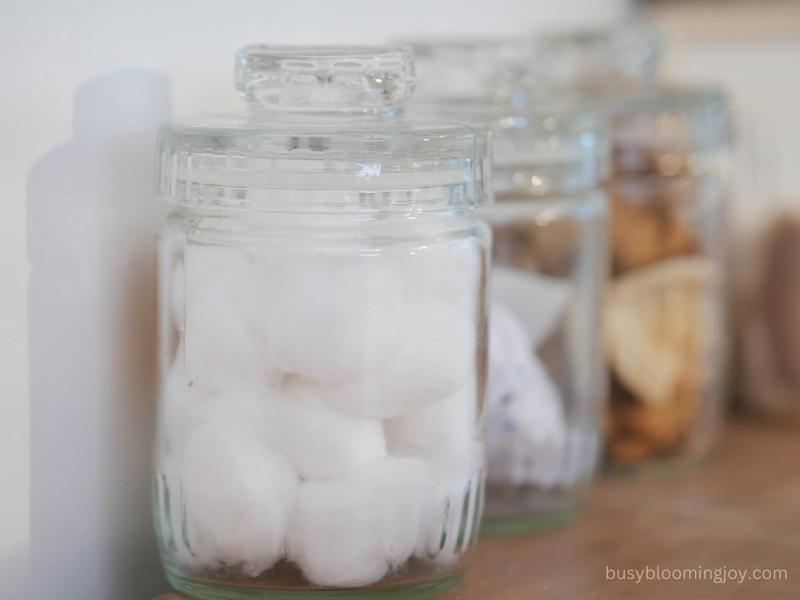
x: 666, y: 309
x: 323, y: 336
x: 547, y: 381
x: 665, y: 314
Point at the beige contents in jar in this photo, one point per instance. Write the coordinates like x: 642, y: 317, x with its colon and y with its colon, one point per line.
x: 661, y: 321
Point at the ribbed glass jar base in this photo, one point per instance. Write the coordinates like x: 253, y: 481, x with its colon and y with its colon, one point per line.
x: 206, y: 589
x: 500, y: 526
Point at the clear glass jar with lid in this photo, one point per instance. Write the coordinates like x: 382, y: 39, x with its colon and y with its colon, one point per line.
x: 666, y: 310
x: 547, y: 383
x: 322, y: 336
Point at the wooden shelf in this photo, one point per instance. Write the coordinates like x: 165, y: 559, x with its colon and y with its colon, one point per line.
x: 739, y: 511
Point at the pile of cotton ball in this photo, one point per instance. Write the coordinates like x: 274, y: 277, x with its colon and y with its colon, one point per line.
x: 322, y: 408
x: 527, y: 437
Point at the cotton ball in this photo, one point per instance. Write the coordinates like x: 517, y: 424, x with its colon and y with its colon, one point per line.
x: 238, y: 495
x: 537, y: 300
x: 320, y: 441
x: 185, y: 407
x: 525, y: 429
x: 450, y: 270
x: 444, y: 430
x: 446, y: 435
x: 224, y: 330
x: 454, y: 508
x: 436, y: 356
x: 400, y: 519
x: 350, y: 532
x: 180, y: 407
x: 332, y: 316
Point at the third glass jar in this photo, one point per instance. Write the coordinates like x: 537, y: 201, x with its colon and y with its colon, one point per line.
x: 665, y: 309
x: 665, y: 313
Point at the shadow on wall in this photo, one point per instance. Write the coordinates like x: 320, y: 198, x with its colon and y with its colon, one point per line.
x: 91, y: 331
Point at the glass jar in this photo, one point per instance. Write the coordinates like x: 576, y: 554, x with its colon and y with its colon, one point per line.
x: 547, y: 383
x: 665, y: 313
x: 666, y: 310
x: 547, y: 386
x: 323, y: 336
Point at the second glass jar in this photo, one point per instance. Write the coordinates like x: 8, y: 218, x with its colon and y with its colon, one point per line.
x: 547, y: 381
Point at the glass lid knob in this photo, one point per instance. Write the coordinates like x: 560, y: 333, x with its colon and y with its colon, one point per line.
x: 354, y: 80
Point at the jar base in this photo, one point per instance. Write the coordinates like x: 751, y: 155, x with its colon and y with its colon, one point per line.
x: 503, y: 526
x: 203, y: 590
x: 654, y: 468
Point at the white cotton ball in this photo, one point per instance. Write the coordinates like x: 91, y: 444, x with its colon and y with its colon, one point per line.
x: 443, y: 431
x: 180, y: 406
x: 454, y: 509
x: 436, y: 356
x: 224, y: 337
x: 185, y: 407
x: 446, y: 271
x: 435, y: 327
x: 238, y: 495
x: 332, y: 317
x: 445, y: 434
x: 538, y: 301
x: 320, y: 441
x: 525, y: 428
x: 350, y: 532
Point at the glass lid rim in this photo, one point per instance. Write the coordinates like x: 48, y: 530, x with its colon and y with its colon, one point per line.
x: 359, y: 131
x: 288, y: 51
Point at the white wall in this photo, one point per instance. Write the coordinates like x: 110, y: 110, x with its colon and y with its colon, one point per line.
x: 84, y: 84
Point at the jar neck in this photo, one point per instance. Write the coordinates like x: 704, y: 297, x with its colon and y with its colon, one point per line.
x: 228, y: 226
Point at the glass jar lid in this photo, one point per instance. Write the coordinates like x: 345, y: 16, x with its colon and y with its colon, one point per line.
x: 666, y: 130
x: 599, y: 61
x: 323, y: 131
x: 544, y: 149
x: 549, y: 149
x: 542, y: 144
x: 495, y: 71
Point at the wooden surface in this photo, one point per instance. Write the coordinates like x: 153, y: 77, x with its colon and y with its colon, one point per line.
x: 739, y: 511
